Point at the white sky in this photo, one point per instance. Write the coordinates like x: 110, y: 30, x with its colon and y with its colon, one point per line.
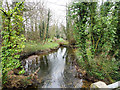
x: 58, y: 8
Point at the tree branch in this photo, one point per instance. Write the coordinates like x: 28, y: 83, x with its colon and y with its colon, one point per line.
x: 4, y: 12
x: 16, y: 8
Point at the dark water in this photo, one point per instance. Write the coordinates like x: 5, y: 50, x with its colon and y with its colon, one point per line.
x: 56, y: 69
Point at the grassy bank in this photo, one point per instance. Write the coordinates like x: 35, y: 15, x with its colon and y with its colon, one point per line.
x: 32, y: 46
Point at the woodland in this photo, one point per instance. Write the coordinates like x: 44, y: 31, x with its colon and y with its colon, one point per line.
x: 92, y: 31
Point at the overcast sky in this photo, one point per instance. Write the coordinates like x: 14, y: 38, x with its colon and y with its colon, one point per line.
x: 58, y: 8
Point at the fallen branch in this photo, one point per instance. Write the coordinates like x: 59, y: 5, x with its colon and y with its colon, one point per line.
x: 35, y: 73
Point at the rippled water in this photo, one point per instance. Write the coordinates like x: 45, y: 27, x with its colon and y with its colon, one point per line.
x: 56, y: 69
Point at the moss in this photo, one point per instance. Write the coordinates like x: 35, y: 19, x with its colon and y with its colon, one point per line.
x: 62, y: 41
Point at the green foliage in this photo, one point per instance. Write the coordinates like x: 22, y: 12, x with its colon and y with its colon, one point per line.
x: 79, y: 15
x: 22, y: 71
x: 48, y: 21
x: 42, y: 30
x: 62, y: 41
x: 102, y: 67
x: 96, y: 30
x: 13, y: 41
x: 69, y: 29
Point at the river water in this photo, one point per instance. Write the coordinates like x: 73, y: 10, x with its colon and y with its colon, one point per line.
x: 57, y: 69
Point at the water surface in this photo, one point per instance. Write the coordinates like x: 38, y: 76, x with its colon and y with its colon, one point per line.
x: 56, y: 69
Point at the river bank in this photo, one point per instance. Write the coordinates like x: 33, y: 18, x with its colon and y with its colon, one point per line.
x: 22, y: 81
x: 57, y: 69
x: 31, y: 48
x: 98, y: 70
x: 32, y: 51
x: 80, y: 67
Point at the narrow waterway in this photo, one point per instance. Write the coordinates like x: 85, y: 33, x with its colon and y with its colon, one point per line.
x: 56, y: 69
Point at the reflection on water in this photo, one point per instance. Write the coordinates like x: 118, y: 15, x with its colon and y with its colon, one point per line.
x: 56, y: 69
x: 57, y: 65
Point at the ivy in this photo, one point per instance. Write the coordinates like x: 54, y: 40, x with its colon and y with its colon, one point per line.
x: 96, y: 33
x: 12, y: 39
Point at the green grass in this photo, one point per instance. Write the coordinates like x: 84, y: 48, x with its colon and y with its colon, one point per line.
x: 33, y: 47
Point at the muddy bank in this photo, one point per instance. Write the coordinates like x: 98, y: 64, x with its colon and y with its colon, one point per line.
x: 15, y: 81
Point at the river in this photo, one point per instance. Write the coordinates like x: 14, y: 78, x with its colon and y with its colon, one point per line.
x: 57, y: 69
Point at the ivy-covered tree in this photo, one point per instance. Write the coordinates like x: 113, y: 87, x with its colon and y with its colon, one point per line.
x: 48, y: 21
x: 79, y: 14
x: 96, y: 32
x: 117, y: 39
x: 13, y: 40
